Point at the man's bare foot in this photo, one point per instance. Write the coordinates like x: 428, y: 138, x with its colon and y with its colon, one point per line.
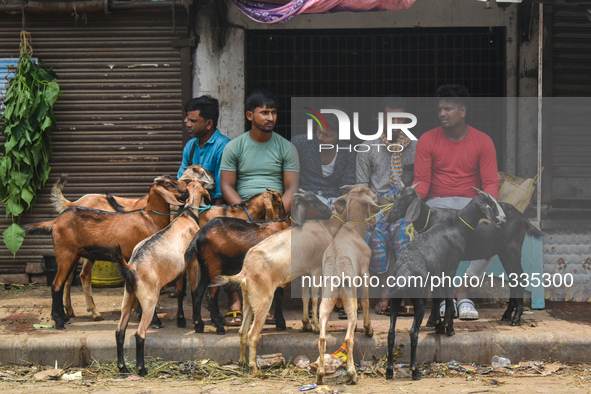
x: 382, y: 307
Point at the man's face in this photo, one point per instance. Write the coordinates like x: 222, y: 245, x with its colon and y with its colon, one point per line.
x: 263, y: 118
x: 395, y: 132
x: 327, y: 136
x: 197, y: 126
x: 451, y: 114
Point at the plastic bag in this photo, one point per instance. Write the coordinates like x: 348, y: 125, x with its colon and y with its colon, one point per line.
x: 516, y: 191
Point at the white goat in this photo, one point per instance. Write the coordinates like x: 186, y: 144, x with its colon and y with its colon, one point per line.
x: 347, y: 257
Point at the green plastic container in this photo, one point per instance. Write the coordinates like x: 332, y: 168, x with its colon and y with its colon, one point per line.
x: 106, y: 274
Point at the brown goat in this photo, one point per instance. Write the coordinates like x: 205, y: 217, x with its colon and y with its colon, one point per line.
x: 220, y: 248
x: 93, y: 234
x: 156, y: 261
x: 100, y: 201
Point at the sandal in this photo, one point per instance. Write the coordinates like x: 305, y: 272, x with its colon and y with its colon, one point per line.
x: 342, y: 314
x: 467, y: 310
x: 442, y: 309
x: 233, y: 318
x: 270, y: 319
x: 407, y: 310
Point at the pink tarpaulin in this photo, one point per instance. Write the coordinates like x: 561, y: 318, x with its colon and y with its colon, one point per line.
x: 272, y: 12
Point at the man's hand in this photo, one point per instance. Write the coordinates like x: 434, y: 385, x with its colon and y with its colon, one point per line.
x: 228, y: 187
x: 290, y: 185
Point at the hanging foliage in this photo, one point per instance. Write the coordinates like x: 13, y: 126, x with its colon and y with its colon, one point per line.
x: 25, y: 153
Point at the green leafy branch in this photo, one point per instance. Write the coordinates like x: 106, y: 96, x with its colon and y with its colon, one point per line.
x: 25, y: 153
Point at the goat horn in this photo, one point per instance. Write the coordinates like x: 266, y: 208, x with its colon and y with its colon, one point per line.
x: 413, y: 187
x: 300, y: 190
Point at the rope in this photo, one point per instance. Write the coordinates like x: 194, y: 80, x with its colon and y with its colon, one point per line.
x: 26, y: 43
x: 386, y: 207
x: 463, y: 221
x: 427, y: 222
x: 244, y: 206
x: 293, y: 220
x: 410, y: 231
x: 200, y: 209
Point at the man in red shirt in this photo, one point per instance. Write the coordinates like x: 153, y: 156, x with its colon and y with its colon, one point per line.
x: 450, y: 161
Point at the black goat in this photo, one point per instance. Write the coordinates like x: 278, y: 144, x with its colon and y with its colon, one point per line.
x: 435, y: 252
x: 486, y: 242
x: 222, y: 243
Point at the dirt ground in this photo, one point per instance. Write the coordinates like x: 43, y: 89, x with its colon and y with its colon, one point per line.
x: 569, y: 378
x: 205, y: 376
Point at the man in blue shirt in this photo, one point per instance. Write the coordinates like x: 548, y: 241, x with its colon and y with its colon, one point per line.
x: 208, y: 143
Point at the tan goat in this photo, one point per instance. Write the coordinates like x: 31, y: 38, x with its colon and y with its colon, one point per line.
x: 155, y: 262
x: 93, y: 234
x: 282, y: 257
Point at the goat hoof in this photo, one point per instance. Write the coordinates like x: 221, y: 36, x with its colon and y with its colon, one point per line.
x: 516, y: 322
x: 416, y: 375
x: 450, y: 332
x: 156, y: 322
x: 389, y: 374
x: 220, y: 331
x: 199, y: 327
x: 181, y: 322
x: 98, y: 317
x: 123, y: 370
x: 70, y: 312
x: 280, y: 326
x: 307, y: 329
x: 369, y: 332
x: 142, y: 372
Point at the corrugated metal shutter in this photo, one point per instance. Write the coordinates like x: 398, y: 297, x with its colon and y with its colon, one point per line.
x: 119, y: 122
x: 571, y: 135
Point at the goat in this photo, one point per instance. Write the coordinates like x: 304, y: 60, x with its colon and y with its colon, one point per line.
x: 222, y: 243
x: 274, y: 262
x: 437, y: 251
x: 100, y: 201
x: 487, y: 241
x: 155, y: 262
x: 347, y: 256
x: 93, y: 234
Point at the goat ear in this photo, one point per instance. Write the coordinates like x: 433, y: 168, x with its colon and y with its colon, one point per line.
x: 413, y: 210
x: 169, y: 197
x: 340, y: 204
x: 372, y: 205
x: 270, y: 206
x: 298, y: 213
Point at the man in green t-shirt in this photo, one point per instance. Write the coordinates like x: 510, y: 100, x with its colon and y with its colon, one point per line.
x: 254, y: 161
x: 259, y: 158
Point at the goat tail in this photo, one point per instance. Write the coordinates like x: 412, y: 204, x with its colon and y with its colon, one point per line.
x: 533, y: 230
x: 59, y: 202
x: 229, y: 282
x: 42, y: 228
x: 116, y: 206
x: 125, y: 268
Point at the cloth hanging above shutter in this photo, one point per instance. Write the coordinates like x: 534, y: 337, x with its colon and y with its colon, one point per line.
x: 280, y: 11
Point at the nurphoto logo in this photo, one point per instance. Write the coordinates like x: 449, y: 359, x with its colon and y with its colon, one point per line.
x: 391, y: 119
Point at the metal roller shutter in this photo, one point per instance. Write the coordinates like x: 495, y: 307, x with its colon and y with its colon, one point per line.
x: 571, y: 136
x: 125, y: 78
